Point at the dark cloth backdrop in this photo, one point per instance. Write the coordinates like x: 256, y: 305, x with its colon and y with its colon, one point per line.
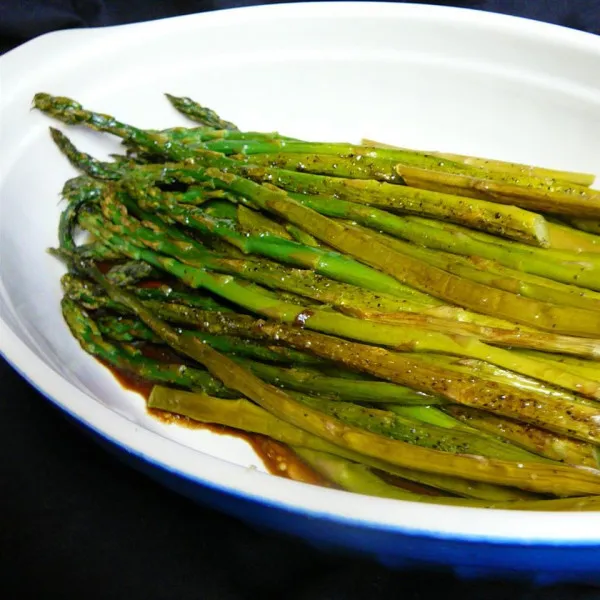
x: 75, y: 523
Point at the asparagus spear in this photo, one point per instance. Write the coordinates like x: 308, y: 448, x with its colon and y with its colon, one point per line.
x: 493, y: 373
x: 567, y: 360
x: 515, y: 169
x: 361, y: 166
x: 356, y: 301
x: 571, y: 297
x: 354, y: 477
x: 536, y: 409
x: 336, y: 388
x: 256, y: 223
x: 253, y: 222
x: 196, y: 136
x: 404, y: 268
x: 400, y: 157
x: 88, y: 164
x: 244, y: 415
x: 412, y: 166
x: 554, y: 479
x: 78, y: 193
x: 129, y: 330
x: 396, y: 427
x: 194, y: 111
x: 570, y: 268
x: 539, y: 195
x: 535, y: 439
x: 327, y: 321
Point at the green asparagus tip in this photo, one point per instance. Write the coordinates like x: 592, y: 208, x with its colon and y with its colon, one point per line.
x: 60, y: 139
x: 46, y: 102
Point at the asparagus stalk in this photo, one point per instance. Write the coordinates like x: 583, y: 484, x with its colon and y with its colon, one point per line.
x: 197, y: 136
x: 337, y: 324
x: 79, y: 193
x: 394, y: 426
x: 357, y: 478
x: 567, y: 360
x: 507, y: 168
x: 535, y: 439
x: 253, y: 222
x: 129, y: 330
x: 554, y: 479
x: 355, y: 300
x: 477, y: 269
x: 497, y: 397
x: 400, y: 157
x: 88, y: 164
x: 494, y: 373
x: 336, y: 388
x: 361, y: 166
x: 538, y: 195
x: 244, y: 415
x: 412, y: 166
x: 580, y: 269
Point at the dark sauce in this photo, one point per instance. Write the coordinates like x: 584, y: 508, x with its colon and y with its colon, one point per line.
x: 277, y: 458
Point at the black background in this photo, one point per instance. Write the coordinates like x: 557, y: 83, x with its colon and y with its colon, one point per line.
x: 75, y: 523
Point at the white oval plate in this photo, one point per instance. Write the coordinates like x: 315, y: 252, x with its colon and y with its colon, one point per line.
x: 420, y: 76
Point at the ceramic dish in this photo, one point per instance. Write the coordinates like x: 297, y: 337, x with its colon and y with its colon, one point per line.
x: 419, y: 76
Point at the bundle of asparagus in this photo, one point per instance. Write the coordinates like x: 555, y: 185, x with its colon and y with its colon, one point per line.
x: 391, y: 315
